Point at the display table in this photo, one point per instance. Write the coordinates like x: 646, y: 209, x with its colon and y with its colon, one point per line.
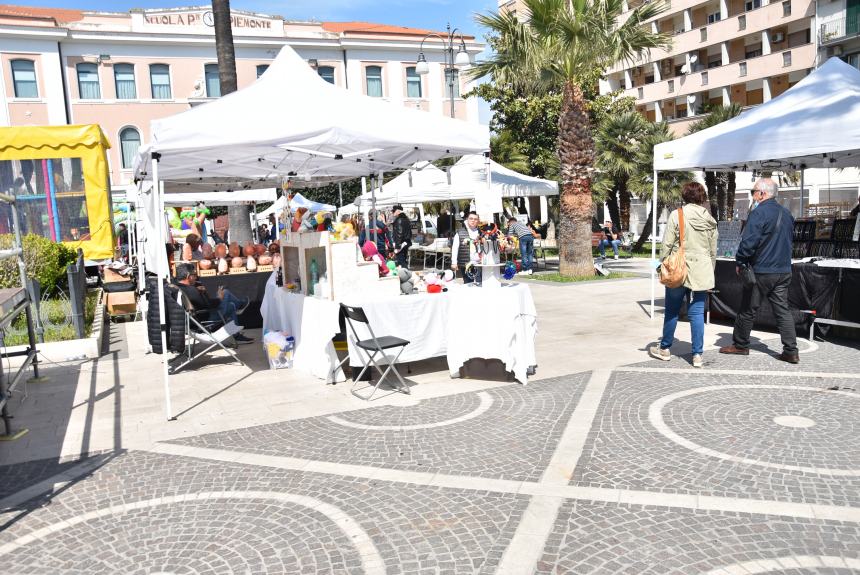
x: 251, y: 285
x: 313, y: 322
x: 824, y: 286
x: 464, y: 323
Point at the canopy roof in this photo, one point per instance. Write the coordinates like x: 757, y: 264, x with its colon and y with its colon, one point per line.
x: 291, y: 122
x: 427, y: 183
x: 816, y: 117
x: 222, y: 198
x: 26, y: 139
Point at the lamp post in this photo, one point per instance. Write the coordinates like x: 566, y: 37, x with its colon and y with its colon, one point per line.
x: 451, y: 60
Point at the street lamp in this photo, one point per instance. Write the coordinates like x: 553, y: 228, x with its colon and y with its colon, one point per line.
x: 461, y: 58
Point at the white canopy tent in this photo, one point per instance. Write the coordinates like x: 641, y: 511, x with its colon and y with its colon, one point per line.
x: 289, y: 124
x: 221, y: 198
x: 813, y: 124
x: 424, y: 182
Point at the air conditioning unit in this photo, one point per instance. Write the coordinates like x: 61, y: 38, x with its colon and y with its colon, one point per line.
x: 834, y: 51
x: 777, y: 37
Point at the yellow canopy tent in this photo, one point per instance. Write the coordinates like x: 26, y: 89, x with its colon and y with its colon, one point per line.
x: 59, y: 175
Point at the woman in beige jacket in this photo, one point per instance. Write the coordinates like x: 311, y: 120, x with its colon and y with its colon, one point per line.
x: 700, y: 253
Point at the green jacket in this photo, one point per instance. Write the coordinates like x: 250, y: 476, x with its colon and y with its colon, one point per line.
x: 700, y: 245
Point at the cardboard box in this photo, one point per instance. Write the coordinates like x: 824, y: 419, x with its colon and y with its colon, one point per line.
x: 111, y: 276
x: 121, y: 303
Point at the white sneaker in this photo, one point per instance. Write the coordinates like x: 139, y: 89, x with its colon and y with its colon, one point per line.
x: 661, y: 354
x: 697, y: 360
x: 616, y: 256
x: 531, y: 272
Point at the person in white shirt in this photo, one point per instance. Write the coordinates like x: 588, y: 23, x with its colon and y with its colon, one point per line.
x: 462, y: 251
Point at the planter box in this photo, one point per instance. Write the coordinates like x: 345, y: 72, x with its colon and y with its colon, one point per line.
x: 73, y: 349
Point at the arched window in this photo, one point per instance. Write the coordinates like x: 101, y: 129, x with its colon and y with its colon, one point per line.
x: 261, y: 69
x: 88, y: 81
x: 373, y: 77
x: 24, y: 79
x: 413, y: 83
x: 129, y: 142
x: 326, y: 73
x: 159, y: 77
x: 213, y: 81
x: 123, y: 75
x: 455, y: 74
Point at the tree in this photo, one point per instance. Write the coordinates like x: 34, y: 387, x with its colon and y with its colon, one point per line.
x: 669, y: 184
x: 721, y: 186
x: 617, y: 141
x: 239, y: 216
x: 561, y: 44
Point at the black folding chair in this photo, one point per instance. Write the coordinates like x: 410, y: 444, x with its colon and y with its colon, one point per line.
x: 376, y: 345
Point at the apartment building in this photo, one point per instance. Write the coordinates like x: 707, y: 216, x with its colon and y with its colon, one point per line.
x: 124, y: 69
x: 839, y: 30
x: 723, y: 52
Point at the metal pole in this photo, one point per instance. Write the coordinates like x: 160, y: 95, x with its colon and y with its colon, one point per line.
x: 162, y: 278
x: 449, y: 53
x: 33, y: 324
x: 340, y: 194
x: 802, y: 170
x: 654, y: 245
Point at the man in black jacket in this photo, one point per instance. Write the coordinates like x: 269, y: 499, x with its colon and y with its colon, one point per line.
x: 401, y: 230
x: 766, y: 248
x: 226, y: 304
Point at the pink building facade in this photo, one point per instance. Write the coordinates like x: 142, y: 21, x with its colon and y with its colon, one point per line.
x: 123, y: 70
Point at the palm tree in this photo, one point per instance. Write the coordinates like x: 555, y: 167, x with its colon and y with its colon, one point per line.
x: 505, y: 151
x: 239, y: 216
x: 559, y: 45
x: 617, y: 141
x: 721, y: 187
x: 669, y: 184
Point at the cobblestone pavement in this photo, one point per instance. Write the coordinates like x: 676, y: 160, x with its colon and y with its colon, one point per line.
x: 747, y: 466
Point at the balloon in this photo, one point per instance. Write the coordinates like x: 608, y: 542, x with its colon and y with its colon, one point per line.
x: 173, y: 218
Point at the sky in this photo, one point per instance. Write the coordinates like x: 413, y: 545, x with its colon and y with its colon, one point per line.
x: 432, y: 14
x: 427, y: 14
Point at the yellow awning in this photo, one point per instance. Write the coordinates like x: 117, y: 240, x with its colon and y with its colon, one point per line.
x: 18, y: 138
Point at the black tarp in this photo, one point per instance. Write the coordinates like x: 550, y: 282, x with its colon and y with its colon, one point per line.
x: 831, y: 292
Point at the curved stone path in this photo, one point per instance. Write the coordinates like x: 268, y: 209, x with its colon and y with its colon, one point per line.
x: 749, y: 466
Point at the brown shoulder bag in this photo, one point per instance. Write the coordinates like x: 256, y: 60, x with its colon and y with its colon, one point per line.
x: 673, y: 270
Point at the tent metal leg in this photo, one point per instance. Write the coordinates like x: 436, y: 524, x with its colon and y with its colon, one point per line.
x: 654, y: 244
x: 162, y: 278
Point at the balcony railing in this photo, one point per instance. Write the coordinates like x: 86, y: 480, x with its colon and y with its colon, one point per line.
x: 836, y: 30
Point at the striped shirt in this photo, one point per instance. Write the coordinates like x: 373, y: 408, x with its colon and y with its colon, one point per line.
x: 519, y: 230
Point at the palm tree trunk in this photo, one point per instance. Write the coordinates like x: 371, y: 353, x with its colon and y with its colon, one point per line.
x: 730, y: 197
x: 612, y: 204
x: 624, y: 204
x: 575, y: 153
x: 711, y: 185
x: 239, y: 216
x: 722, y: 182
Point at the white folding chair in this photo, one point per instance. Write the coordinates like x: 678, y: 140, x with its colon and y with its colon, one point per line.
x: 211, y: 333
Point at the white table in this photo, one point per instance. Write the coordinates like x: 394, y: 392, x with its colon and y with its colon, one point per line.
x: 313, y: 322
x: 464, y: 323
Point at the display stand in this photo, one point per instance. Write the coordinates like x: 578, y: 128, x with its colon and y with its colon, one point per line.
x: 345, y: 276
x: 13, y: 301
x: 490, y: 267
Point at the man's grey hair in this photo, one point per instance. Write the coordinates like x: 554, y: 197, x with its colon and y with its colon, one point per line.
x: 768, y: 186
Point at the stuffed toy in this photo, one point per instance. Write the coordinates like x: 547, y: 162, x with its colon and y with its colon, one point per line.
x: 406, y: 285
x: 371, y: 254
x: 392, y: 268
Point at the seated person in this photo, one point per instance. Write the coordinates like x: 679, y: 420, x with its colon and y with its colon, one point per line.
x: 612, y: 237
x: 193, y: 242
x: 226, y: 304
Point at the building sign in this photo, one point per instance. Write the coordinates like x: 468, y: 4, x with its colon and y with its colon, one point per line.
x: 203, y: 22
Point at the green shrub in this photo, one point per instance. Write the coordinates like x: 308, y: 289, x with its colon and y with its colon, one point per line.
x: 46, y: 262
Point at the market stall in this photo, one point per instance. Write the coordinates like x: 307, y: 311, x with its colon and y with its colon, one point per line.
x: 289, y: 125
x: 812, y: 124
x: 59, y: 176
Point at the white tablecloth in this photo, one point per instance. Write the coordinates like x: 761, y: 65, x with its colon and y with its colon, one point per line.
x: 496, y: 323
x: 464, y: 323
x: 313, y: 322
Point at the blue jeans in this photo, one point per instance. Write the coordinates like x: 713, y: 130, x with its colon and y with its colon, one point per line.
x: 695, y: 312
x: 228, y: 306
x: 527, y: 251
x: 603, y: 243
